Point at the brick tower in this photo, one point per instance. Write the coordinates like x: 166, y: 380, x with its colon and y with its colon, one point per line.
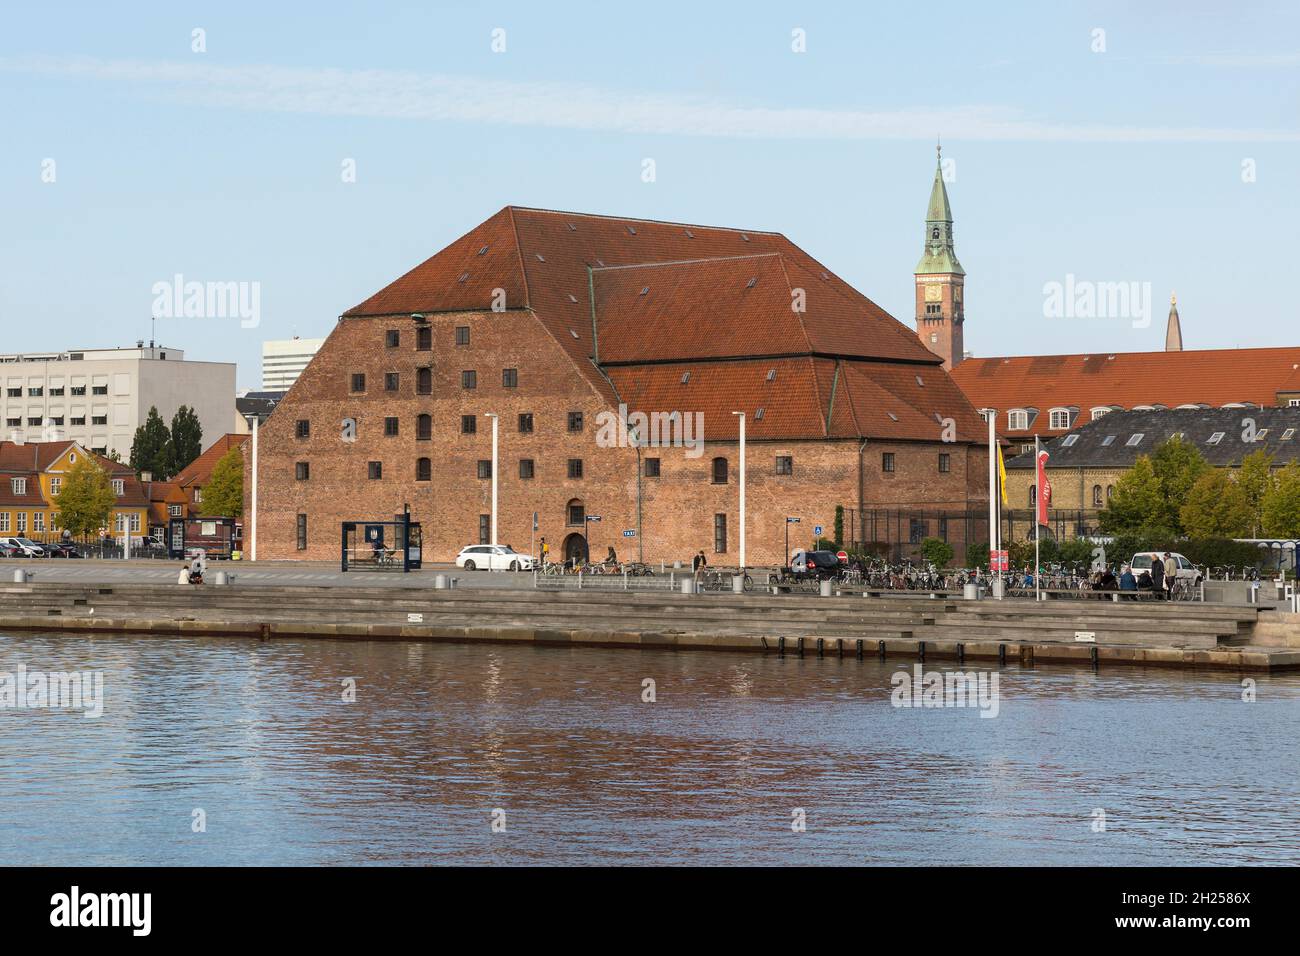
x: 940, y: 312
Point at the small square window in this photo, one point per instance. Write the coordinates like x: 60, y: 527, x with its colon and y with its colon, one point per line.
x: 358, y: 382
x: 525, y: 422
x: 510, y: 378
x: 945, y: 463
x: 304, y: 428
x: 652, y: 467
x: 784, y: 465
x: 887, y: 461
x: 485, y: 468
x: 575, y: 421
x: 462, y: 335
x: 468, y: 424
x: 575, y: 467
x: 525, y: 468
x: 302, y: 471
x: 392, y: 338
x: 392, y: 381
x: 375, y: 469
x: 469, y: 379
x: 390, y: 427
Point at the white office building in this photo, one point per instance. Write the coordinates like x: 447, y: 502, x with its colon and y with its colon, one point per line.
x: 283, y: 361
x: 98, y: 397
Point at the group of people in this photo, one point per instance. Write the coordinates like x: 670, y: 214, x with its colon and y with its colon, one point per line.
x: 1159, y: 580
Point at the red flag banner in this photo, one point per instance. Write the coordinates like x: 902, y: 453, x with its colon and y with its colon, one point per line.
x: 1044, y: 488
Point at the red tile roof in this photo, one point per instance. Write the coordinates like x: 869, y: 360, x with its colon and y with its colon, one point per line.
x: 683, y: 294
x: 1213, y: 377
x: 30, y: 458
x: 199, y: 471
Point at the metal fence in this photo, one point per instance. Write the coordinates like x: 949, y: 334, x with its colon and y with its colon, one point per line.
x: 895, y: 534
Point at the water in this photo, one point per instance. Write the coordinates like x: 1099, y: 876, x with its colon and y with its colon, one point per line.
x: 258, y: 737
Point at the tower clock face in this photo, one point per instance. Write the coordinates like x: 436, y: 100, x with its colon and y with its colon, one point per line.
x: 933, y: 293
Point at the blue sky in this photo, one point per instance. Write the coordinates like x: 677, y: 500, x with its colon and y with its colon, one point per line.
x: 1122, y: 165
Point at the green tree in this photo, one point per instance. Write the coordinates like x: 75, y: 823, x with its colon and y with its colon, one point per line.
x: 1138, y: 504
x: 85, y: 497
x: 186, y: 440
x: 224, y: 493
x: 150, y: 450
x: 938, y: 552
x: 1178, y: 465
x: 839, y: 527
x: 1215, y: 507
x: 1281, y: 506
x: 1255, y: 478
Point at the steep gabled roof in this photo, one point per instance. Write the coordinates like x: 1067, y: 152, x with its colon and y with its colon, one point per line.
x: 199, y: 471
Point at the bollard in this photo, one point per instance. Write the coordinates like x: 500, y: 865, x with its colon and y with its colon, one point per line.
x: 1094, y: 655
x: 839, y: 647
x: 826, y: 587
x: 961, y: 653
x: 221, y: 578
x: 22, y: 576
x: 920, y: 648
x: 859, y: 648
x: 882, y: 650
x: 738, y: 584
x: 969, y: 592
x: 801, y: 647
x: 688, y: 585
x: 440, y: 582
x: 999, y: 591
x: 451, y: 582
x: 821, y: 647
x: 1002, y: 653
x: 780, y: 646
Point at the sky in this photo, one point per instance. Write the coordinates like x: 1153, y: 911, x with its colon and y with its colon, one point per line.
x: 1153, y: 143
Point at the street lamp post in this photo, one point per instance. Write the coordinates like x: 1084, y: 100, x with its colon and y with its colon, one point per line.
x: 492, y: 416
x: 743, y: 515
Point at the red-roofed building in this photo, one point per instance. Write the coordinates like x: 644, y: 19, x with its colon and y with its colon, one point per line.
x: 564, y: 323
x: 31, y: 477
x: 195, y: 476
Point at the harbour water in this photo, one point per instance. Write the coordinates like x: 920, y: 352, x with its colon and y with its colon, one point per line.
x: 226, y: 752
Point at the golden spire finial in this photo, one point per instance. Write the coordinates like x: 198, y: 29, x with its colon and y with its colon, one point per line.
x: 1173, y: 299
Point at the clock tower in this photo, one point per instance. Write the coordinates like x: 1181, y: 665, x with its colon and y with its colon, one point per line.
x: 940, y: 310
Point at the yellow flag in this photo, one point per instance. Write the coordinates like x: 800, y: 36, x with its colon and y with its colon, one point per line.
x: 1002, y: 476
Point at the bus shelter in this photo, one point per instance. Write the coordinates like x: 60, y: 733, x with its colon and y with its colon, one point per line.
x: 215, y: 537
x: 381, y: 545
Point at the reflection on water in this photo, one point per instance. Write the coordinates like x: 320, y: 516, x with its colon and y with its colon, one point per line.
x: 259, y: 737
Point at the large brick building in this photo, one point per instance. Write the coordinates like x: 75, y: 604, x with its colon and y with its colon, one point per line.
x: 559, y: 323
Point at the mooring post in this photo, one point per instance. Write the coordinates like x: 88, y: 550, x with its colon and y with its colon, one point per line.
x: 839, y: 646
x: 920, y: 650
x: 821, y: 647
x: 1002, y: 653
x: 780, y: 646
x: 859, y: 648
x: 961, y: 653
x: 801, y: 647
x: 882, y: 650
x: 1094, y: 655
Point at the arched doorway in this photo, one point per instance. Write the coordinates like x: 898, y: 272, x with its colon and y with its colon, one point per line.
x: 575, y: 549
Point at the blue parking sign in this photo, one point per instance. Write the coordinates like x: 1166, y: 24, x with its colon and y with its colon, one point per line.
x: 817, y: 530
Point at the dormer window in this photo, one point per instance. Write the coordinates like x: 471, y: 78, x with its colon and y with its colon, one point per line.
x: 1101, y: 410
x: 1058, y: 419
x: 1017, y: 420
x: 119, y: 487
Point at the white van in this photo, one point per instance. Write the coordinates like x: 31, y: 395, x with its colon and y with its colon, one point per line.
x: 1187, y: 571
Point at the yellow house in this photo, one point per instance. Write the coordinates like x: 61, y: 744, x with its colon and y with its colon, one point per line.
x: 31, y: 477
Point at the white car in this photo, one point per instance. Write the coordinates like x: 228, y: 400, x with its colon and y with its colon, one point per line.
x: 25, y: 547
x: 494, y: 557
x: 1187, y: 571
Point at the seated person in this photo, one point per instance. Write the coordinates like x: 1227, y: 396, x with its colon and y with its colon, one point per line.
x: 1108, y: 581
x: 1126, y: 580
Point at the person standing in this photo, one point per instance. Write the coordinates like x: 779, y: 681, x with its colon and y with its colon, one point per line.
x: 1157, y: 577
x: 545, y: 551
x: 1171, y: 575
x: 698, y: 564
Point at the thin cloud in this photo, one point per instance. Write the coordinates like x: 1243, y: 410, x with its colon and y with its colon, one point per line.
x: 395, y: 94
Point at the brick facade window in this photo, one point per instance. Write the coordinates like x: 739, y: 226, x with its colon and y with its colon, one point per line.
x: 375, y: 469
x: 917, y: 530
x: 887, y: 461
x: 525, y: 422
x: 358, y: 381
x: 462, y: 336
x: 526, y: 468
x: 784, y: 465
x: 304, y: 428
x: 392, y: 338
x: 423, y: 338
x: 423, y: 469
x: 575, y: 514
x: 423, y: 427
x: 651, y: 469
x: 424, y: 381
x: 468, y: 424
x: 392, y: 381
x: 1096, y: 496
x: 485, y: 468
x: 302, y: 471
x: 575, y: 467
x: 945, y: 463
x: 484, y: 529
x: 719, y: 471
x: 510, y: 378
x: 391, y: 426
x: 469, y: 379
x: 302, y: 532
x: 575, y: 421
x: 720, y: 534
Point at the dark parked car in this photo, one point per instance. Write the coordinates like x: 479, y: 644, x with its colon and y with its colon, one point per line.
x: 815, y: 564
x: 7, y: 550
x: 62, y: 549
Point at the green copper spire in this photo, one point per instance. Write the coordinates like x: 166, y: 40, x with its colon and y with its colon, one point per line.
x: 939, y: 256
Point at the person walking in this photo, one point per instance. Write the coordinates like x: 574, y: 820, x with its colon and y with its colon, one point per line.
x: 1157, y: 577
x: 698, y: 564
x: 1171, y: 575
x: 544, y: 551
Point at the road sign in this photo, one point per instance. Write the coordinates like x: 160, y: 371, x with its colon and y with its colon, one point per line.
x: 593, y: 517
x: 817, y: 530
x: 534, y: 520
x: 792, y: 520
x: 630, y: 533
x: 843, y: 556
x: 998, y: 561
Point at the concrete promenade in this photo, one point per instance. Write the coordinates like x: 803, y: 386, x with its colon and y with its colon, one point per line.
x: 914, y: 626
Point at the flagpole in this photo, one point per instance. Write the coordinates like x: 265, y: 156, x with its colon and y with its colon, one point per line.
x: 993, y: 494
x: 1000, y: 590
x: 1038, y: 528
